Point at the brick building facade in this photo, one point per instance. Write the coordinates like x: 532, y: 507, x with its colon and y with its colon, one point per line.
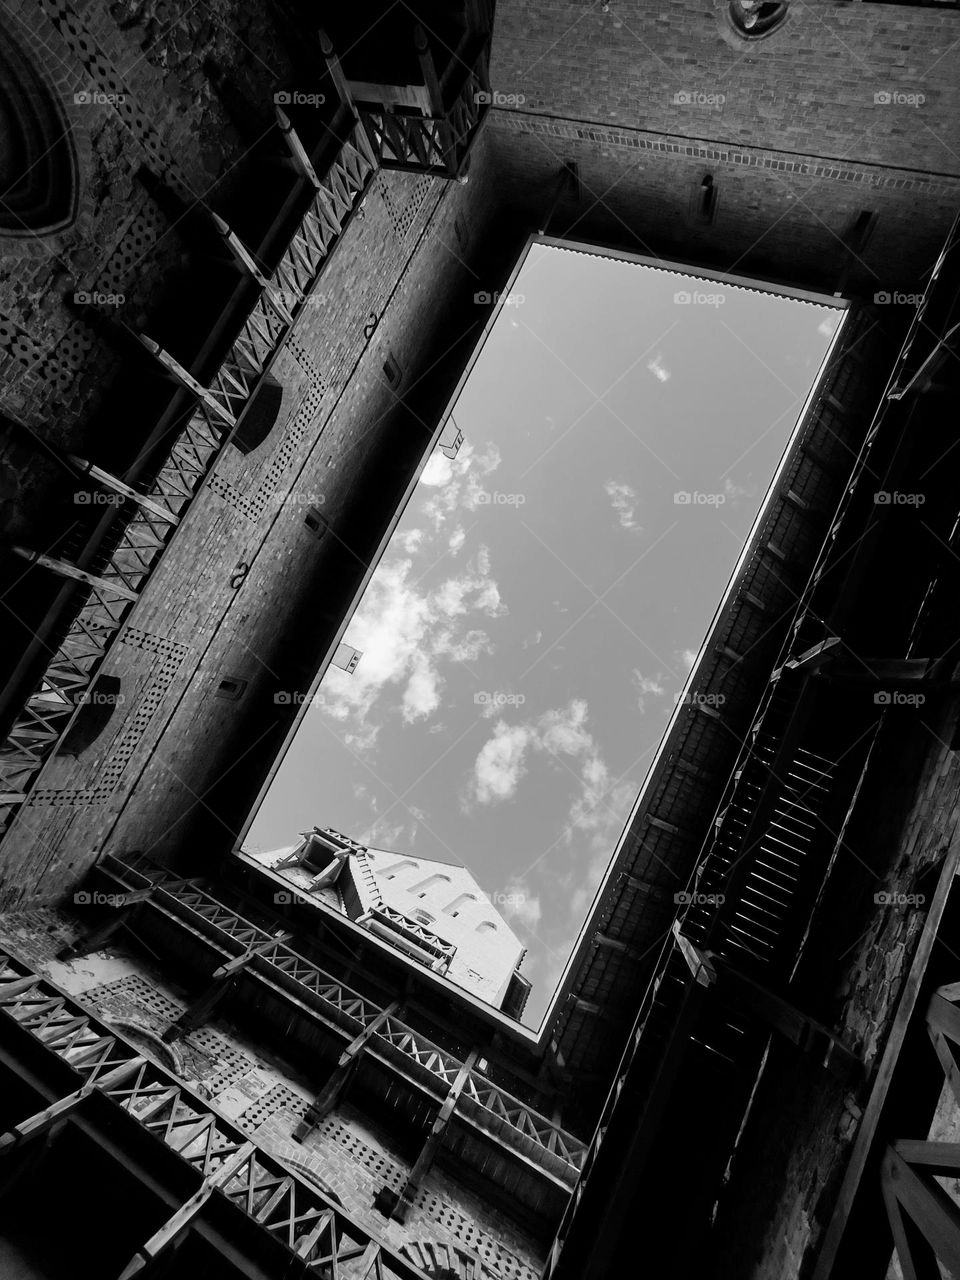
x: 239, y: 268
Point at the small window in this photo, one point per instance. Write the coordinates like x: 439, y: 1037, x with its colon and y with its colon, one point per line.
x: 392, y: 371
x: 421, y: 917
x: 315, y: 522
x: 705, y: 200
x: 486, y: 926
x: 232, y: 688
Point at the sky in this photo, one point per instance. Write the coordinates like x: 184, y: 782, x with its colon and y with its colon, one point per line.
x: 537, y: 612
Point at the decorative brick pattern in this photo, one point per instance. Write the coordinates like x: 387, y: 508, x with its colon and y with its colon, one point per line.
x: 403, y: 205
x: 135, y: 725
x: 279, y: 1098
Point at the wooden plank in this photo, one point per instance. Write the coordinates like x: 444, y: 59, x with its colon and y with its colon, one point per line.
x: 843, y: 1206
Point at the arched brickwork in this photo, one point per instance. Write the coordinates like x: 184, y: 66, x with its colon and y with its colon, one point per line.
x: 38, y: 169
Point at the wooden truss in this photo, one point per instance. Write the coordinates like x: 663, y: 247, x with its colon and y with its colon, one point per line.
x: 395, y: 1045
x: 317, y: 1234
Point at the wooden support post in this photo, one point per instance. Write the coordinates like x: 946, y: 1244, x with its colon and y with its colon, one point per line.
x: 235, y: 966
x: 336, y: 72
x: 199, y: 1011
x: 44, y: 1123
x: 239, y: 251
x: 340, y: 1078
x: 108, y: 481
x: 428, y: 70
x: 163, y: 1242
x: 298, y: 151
x: 122, y: 904
x: 65, y: 570
x: 187, y: 380
x: 397, y: 1205
x: 909, y: 1186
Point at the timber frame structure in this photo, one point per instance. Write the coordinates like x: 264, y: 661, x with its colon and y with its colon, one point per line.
x: 326, y: 256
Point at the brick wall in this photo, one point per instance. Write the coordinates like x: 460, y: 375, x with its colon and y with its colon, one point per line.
x: 807, y: 89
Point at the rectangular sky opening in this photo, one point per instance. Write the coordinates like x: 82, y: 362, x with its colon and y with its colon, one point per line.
x: 534, y: 621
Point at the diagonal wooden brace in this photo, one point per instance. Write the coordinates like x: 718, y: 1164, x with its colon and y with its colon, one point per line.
x: 340, y: 1078
x: 397, y: 1205
x: 170, y: 1235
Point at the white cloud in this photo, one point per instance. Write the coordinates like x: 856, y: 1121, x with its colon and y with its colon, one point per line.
x: 647, y: 686
x: 409, y: 541
x: 688, y: 657
x: 458, y: 481
x: 655, y: 366
x: 521, y: 906
x: 828, y: 325
x: 735, y: 492
x: 457, y: 539
x: 623, y: 499
x: 533, y: 640
x: 500, y: 765
x: 406, y: 637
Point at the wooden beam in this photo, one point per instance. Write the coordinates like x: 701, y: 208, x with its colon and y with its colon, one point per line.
x: 342, y: 1075
x: 237, y: 965
x: 397, y: 1205
x: 298, y: 151
x: 187, y: 380
x: 863, y: 1143
x: 199, y: 1011
x: 108, y: 481
x: 65, y: 570
x: 44, y: 1122
x: 122, y: 905
x: 171, y: 1234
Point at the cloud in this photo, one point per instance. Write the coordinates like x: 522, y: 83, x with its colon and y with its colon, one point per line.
x: 457, y: 539
x: 828, y: 325
x: 735, y: 492
x: 500, y: 765
x: 687, y: 657
x: 458, y: 482
x: 406, y: 637
x: 623, y: 499
x: 655, y: 366
x: 531, y: 641
x: 647, y: 687
x: 521, y: 906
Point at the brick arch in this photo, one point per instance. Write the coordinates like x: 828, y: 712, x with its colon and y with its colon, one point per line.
x: 38, y: 164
